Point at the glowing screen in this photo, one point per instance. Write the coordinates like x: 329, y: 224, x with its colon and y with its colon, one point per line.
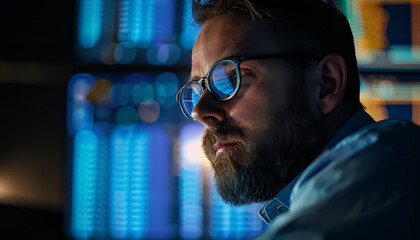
x: 135, y: 32
x: 137, y: 169
x: 386, y: 33
x: 151, y: 32
x: 129, y: 179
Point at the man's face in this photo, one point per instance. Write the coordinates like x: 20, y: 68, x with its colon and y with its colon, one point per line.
x: 258, y: 141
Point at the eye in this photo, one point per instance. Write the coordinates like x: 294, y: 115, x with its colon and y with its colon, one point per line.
x: 247, y: 77
x: 232, y: 75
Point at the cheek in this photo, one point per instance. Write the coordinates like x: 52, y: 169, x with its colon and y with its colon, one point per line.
x: 257, y: 106
x: 279, y: 92
x: 277, y: 98
x: 252, y: 111
x: 312, y: 90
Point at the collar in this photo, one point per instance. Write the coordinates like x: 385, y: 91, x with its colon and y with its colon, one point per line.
x: 281, y: 202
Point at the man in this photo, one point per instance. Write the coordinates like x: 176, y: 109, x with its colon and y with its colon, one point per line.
x: 276, y: 85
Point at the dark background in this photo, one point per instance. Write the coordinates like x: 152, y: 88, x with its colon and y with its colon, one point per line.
x: 36, y: 61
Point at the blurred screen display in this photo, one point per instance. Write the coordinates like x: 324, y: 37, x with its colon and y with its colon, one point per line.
x: 162, y: 33
x: 386, y: 33
x: 137, y: 168
x: 139, y: 32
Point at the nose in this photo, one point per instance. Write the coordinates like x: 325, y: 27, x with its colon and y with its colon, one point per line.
x: 209, y: 111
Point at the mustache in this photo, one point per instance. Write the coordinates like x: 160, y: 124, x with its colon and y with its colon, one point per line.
x: 223, y: 133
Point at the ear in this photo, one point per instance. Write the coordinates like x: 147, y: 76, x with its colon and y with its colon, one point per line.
x: 332, y: 85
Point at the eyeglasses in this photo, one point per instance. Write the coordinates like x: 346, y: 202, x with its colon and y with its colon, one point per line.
x: 223, y: 80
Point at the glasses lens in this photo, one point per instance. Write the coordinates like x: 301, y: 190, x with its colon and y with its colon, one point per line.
x: 223, y: 79
x: 190, y: 96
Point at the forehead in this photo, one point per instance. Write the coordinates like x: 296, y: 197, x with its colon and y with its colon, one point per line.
x: 226, y: 36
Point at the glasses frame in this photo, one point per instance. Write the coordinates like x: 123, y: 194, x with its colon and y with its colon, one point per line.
x: 236, y: 60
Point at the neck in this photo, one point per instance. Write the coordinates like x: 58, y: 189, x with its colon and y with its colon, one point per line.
x: 336, y: 119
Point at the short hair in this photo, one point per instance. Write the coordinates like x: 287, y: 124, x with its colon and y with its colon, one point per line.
x: 327, y: 25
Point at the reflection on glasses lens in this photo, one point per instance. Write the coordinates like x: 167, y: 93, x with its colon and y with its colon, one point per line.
x: 190, y: 96
x: 223, y: 79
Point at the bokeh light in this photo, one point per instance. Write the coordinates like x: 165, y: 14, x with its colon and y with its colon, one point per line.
x: 81, y: 88
x: 190, y: 184
x: 90, y: 22
x: 107, y: 54
x: 102, y: 113
x: 167, y: 84
x: 163, y: 54
x: 120, y: 94
x: 100, y: 91
x: 142, y: 92
x: 189, y: 29
x: 79, y: 109
x: 125, y: 53
x: 135, y: 78
x: 149, y: 111
x: 127, y: 116
x: 136, y: 22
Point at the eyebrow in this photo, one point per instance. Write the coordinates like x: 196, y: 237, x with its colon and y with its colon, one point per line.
x: 196, y: 78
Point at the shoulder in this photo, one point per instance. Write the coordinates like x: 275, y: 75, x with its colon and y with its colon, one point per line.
x: 393, y: 132
x: 393, y: 137
x: 369, y: 184
x: 389, y: 148
x: 393, y: 142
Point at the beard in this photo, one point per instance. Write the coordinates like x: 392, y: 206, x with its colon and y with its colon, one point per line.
x: 257, y: 170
